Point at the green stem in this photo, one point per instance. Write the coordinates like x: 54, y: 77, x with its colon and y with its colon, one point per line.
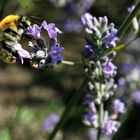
x: 67, y: 110
x: 128, y: 20
x: 99, y: 136
x: 68, y: 62
x: 101, y: 106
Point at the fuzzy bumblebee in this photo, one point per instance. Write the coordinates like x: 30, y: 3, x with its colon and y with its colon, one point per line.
x: 12, y: 28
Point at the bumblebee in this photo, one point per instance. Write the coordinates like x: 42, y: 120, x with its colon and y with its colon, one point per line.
x: 12, y: 29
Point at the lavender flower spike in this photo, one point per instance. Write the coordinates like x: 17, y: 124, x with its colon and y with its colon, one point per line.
x: 110, y: 127
x: 34, y: 31
x: 22, y: 53
x: 99, y: 67
x: 51, y: 29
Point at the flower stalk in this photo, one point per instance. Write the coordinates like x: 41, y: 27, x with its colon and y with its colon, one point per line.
x: 101, y: 112
x: 101, y: 70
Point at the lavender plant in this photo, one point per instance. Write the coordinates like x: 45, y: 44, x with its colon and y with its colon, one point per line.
x: 101, y: 71
x: 99, y: 52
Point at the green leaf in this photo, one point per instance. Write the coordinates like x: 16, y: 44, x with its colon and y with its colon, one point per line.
x: 24, y: 115
x: 5, y: 135
x: 124, y: 26
x: 118, y: 48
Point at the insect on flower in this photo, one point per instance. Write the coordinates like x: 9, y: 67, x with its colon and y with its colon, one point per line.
x: 14, y: 27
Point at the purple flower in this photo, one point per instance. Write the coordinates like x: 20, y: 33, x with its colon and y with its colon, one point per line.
x: 100, y: 29
x: 136, y: 96
x: 110, y: 37
x: 130, y: 9
x: 92, y: 133
x: 56, y: 53
x: 51, y: 29
x: 118, y: 106
x: 109, y: 69
x: 50, y: 122
x: 22, y: 53
x: 89, y: 104
x: 92, y: 24
x: 34, y: 31
x: 90, y: 118
x: 87, y: 20
x: 88, y: 50
x: 109, y: 127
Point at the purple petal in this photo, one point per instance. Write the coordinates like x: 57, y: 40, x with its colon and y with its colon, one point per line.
x: 35, y: 31
x: 50, y: 122
x: 110, y: 127
x: 22, y: 53
x: 118, y: 106
x: 109, y: 69
x: 56, y: 53
x: 44, y: 24
x: 87, y: 19
x: 51, y: 29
